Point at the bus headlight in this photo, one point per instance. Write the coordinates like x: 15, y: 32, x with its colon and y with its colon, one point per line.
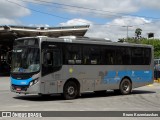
x: 33, y: 82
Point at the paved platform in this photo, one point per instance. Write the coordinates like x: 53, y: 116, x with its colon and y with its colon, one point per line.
x: 145, y: 98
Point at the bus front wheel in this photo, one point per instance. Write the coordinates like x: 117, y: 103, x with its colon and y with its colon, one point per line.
x: 125, y: 86
x: 70, y: 90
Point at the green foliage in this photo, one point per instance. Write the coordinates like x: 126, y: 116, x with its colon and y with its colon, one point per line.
x: 154, y: 42
x: 138, y: 32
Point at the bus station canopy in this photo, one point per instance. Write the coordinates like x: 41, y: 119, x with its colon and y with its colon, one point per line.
x: 12, y: 32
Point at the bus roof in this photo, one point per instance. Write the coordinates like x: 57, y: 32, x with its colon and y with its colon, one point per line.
x: 86, y: 40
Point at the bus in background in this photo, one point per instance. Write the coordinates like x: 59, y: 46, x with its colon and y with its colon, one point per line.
x: 156, y: 61
x: 73, y: 65
x: 156, y: 69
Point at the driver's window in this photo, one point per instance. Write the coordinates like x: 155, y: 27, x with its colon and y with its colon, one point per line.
x: 49, y: 58
x: 52, y: 58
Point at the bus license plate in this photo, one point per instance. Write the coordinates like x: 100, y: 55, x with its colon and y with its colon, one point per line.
x: 18, y: 89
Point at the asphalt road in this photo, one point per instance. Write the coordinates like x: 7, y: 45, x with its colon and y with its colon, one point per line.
x: 145, y: 98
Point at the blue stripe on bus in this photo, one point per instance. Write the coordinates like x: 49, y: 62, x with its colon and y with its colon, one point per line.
x: 113, y: 77
x: 20, y: 82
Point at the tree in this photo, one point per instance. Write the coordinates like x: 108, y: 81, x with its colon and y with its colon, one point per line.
x: 121, y: 40
x: 138, y: 32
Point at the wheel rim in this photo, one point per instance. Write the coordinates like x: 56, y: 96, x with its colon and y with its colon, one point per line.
x: 126, y: 86
x: 70, y: 90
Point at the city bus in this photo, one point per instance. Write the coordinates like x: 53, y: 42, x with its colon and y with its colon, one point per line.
x: 156, y: 69
x: 156, y: 62
x: 72, y: 65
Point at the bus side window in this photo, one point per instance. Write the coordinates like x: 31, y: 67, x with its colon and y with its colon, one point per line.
x: 86, y: 59
x: 86, y: 55
x: 110, y: 56
x: 137, y: 56
x: 147, y: 57
x: 92, y: 55
x: 73, y: 54
x: 57, y: 59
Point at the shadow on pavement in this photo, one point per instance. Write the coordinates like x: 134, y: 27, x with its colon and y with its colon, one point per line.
x: 142, y: 92
x: 39, y: 98
x: 57, y: 97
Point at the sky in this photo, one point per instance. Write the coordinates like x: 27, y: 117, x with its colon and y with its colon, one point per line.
x: 107, y: 18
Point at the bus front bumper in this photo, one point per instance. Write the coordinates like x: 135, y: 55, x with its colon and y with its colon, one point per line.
x: 25, y: 89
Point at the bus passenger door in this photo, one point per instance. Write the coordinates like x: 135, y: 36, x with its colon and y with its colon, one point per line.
x: 52, y: 63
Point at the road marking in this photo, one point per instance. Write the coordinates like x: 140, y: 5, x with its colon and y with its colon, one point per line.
x: 150, y: 85
x: 157, y: 81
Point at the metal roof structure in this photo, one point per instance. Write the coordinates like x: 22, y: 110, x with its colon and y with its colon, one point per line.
x: 11, y: 32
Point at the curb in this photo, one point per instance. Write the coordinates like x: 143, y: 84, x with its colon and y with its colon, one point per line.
x: 157, y: 81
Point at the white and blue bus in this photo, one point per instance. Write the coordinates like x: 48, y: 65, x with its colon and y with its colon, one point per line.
x: 156, y: 61
x: 73, y: 65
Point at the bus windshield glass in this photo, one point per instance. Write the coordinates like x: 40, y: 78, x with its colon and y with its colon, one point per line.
x: 25, y: 60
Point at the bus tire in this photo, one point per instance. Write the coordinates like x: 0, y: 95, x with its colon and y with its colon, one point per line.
x: 70, y: 90
x: 125, y: 86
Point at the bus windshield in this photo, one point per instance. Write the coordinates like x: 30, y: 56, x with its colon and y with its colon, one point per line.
x: 25, y: 60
